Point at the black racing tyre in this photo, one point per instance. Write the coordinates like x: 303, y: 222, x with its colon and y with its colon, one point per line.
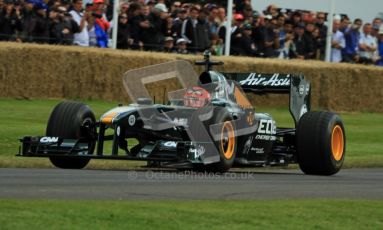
x: 321, y: 143
x: 227, y: 144
x: 68, y: 120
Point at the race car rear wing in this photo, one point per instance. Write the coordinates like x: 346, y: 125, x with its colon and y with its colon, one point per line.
x: 261, y: 83
x: 295, y: 85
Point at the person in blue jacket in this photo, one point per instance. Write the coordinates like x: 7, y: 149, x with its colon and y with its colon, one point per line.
x: 380, y: 46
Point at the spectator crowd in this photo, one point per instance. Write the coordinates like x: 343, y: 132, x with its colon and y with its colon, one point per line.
x: 184, y: 27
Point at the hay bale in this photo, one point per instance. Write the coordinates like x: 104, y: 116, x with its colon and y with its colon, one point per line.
x: 44, y: 71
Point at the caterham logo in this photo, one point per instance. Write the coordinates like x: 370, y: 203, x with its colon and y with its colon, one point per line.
x: 261, y: 80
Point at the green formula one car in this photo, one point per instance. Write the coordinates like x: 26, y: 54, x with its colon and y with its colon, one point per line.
x: 208, y: 125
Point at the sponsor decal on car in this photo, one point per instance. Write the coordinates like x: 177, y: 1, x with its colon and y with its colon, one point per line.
x: 257, y: 79
x: 267, y: 127
x: 247, y: 145
x: 258, y: 150
x: 265, y: 137
x: 303, y: 110
x: 171, y: 144
x: 132, y: 120
x: 266, y: 130
x: 118, y: 131
x: 47, y: 140
x: 301, y: 89
x: 181, y: 121
x: 198, y: 151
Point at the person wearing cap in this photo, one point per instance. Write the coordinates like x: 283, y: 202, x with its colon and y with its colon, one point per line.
x: 266, y: 39
x: 61, y: 26
x: 367, y: 45
x: 40, y: 28
x: 180, y: 17
x: 150, y: 25
x: 236, y: 33
x: 97, y: 25
x: 302, y: 46
x: 81, y: 38
x: 100, y: 23
x: 10, y: 21
x: 55, y: 26
x: 169, y: 45
x: 98, y: 11
x: 163, y: 23
x: 70, y: 26
x: 247, y: 46
x: 161, y: 7
x: 182, y: 46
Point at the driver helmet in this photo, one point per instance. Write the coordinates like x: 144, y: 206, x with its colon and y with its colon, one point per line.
x: 197, y: 97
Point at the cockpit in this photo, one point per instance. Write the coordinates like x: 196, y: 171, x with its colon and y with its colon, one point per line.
x: 211, y: 85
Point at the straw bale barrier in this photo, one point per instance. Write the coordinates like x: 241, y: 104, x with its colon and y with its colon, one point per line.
x: 43, y: 71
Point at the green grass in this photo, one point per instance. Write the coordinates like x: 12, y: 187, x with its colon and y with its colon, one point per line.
x: 29, y: 117
x: 275, y: 214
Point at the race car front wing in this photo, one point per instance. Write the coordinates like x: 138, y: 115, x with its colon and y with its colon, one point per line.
x: 168, y: 151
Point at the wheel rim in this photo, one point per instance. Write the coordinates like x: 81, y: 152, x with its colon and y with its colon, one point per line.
x: 227, y: 140
x: 337, y: 143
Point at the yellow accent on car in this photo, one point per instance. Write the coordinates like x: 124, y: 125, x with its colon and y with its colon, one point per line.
x: 107, y: 119
x: 337, y: 143
x: 241, y: 99
x: 227, y: 140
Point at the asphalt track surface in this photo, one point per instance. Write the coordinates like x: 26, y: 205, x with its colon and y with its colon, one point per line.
x: 173, y: 185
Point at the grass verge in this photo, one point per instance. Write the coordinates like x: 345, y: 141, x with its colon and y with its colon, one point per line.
x: 274, y: 214
x: 29, y: 117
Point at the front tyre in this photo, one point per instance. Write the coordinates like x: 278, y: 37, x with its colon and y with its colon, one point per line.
x: 227, y: 143
x: 321, y: 143
x: 72, y: 120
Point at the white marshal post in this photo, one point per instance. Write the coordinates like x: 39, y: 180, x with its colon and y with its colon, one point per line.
x: 116, y: 3
x: 330, y: 19
x: 228, y: 27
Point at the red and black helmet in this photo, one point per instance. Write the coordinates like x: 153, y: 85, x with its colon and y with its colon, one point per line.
x: 196, y: 97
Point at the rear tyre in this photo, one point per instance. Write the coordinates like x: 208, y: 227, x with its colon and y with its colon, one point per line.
x: 321, y: 143
x: 72, y: 120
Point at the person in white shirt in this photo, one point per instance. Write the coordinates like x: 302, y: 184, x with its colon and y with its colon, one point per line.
x: 337, y: 42
x: 367, y: 45
x: 81, y: 38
